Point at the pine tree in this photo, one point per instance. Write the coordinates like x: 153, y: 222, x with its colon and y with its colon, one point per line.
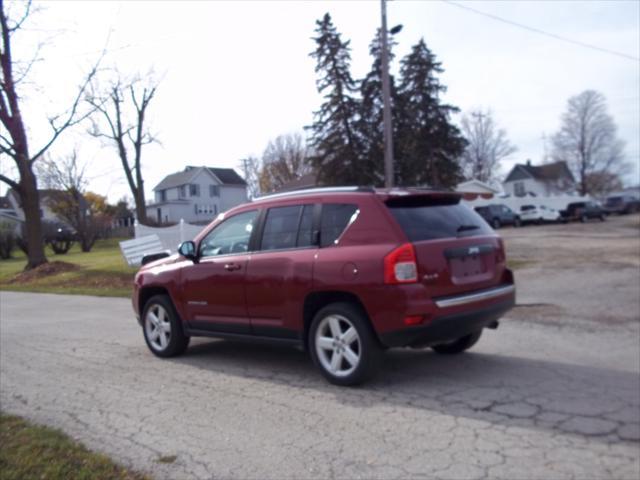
x: 428, y: 143
x: 334, y: 141
x: 371, y: 123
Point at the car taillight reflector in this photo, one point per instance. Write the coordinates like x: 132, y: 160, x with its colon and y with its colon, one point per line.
x: 413, y: 320
x: 400, y: 265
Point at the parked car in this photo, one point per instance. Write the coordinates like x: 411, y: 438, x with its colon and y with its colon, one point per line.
x: 344, y: 273
x: 622, y: 204
x: 583, y: 211
x: 538, y: 214
x: 498, y: 215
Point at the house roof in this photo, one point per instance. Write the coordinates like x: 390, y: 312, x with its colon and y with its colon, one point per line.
x: 305, y: 181
x: 476, y: 186
x: 545, y: 173
x: 227, y: 176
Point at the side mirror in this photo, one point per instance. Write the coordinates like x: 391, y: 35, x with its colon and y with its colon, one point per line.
x: 188, y: 250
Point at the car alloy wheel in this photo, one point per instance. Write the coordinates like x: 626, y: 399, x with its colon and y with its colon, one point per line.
x: 338, y: 345
x: 158, y: 327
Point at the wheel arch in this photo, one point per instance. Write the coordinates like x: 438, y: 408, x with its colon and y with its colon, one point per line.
x: 317, y: 300
x: 150, y: 291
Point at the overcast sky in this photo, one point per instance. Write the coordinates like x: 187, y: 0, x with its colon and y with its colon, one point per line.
x: 237, y: 74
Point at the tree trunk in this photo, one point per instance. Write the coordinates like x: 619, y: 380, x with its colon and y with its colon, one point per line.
x: 141, y: 208
x: 33, y: 223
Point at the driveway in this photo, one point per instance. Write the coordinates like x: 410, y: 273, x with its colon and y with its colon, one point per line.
x: 531, y: 400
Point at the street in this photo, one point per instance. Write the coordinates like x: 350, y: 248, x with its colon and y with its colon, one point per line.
x: 531, y: 400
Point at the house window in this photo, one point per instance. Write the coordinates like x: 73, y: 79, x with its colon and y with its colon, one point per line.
x: 194, y: 190
x: 163, y: 195
x: 182, y: 191
x: 214, y: 191
x: 518, y: 189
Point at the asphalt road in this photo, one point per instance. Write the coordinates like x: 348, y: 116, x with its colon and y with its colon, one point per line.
x: 529, y: 401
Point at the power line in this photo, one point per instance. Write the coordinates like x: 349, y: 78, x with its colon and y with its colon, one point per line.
x: 542, y: 32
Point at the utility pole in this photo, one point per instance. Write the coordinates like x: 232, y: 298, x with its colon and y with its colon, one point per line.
x: 386, y: 94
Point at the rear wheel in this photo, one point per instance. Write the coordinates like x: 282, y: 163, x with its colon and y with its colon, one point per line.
x: 459, y: 345
x: 495, y: 223
x: 517, y: 222
x: 342, y: 344
x: 162, y: 328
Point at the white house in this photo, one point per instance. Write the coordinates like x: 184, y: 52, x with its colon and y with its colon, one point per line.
x: 47, y: 198
x: 539, y: 180
x: 196, y: 195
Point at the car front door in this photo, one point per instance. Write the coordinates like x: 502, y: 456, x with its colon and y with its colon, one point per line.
x: 213, y: 288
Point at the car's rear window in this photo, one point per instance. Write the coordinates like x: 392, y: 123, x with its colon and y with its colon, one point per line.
x: 428, y: 218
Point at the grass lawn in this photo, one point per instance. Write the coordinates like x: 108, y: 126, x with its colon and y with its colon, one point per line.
x: 31, y: 451
x: 102, y: 272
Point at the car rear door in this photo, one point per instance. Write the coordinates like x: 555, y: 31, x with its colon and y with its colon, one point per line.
x: 280, y: 271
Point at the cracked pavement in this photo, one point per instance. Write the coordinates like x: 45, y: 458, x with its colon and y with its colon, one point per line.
x: 529, y: 401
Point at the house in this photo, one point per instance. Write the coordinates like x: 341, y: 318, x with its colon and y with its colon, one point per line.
x: 473, y: 189
x: 546, y: 180
x: 9, y: 221
x: 196, y: 195
x: 47, y: 198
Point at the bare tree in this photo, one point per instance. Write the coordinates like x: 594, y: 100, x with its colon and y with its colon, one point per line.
x: 488, y: 146
x: 123, y: 107
x: 285, y: 159
x: 66, y: 176
x: 251, y: 168
x: 14, y: 140
x: 588, y: 141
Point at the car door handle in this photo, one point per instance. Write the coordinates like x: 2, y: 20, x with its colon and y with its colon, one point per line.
x: 230, y: 267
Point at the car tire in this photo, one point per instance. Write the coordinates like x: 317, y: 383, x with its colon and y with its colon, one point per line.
x: 603, y: 217
x: 459, y: 345
x: 495, y: 223
x: 162, y: 328
x: 517, y: 222
x: 343, y: 345
x: 584, y: 218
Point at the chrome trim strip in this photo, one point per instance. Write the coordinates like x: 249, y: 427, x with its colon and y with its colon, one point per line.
x: 475, y: 297
x: 193, y: 302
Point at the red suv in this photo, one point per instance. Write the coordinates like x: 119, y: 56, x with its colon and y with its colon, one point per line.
x: 344, y: 273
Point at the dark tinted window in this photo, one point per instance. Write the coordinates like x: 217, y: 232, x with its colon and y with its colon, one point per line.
x: 335, y: 218
x: 305, y: 233
x: 281, y: 228
x: 427, y: 218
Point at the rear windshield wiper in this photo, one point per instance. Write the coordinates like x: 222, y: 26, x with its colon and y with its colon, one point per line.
x: 465, y: 228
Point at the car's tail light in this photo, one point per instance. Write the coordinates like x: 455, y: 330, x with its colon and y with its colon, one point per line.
x: 400, y: 265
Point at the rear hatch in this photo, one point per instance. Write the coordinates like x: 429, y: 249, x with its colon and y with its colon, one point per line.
x: 456, y: 250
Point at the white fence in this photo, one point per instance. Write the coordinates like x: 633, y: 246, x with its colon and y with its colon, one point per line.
x: 170, y: 237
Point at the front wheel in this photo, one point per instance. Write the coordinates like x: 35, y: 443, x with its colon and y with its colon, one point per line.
x: 342, y: 344
x: 517, y: 222
x: 459, y: 345
x: 495, y: 224
x: 162, y: 328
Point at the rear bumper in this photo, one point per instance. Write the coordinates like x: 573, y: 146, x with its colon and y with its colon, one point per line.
x: 453, y: 326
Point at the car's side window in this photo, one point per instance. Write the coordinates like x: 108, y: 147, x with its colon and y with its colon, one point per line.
x: 231, y: 236
x: 288, y: 227
x: 335, y: 218
x: 281, y: 228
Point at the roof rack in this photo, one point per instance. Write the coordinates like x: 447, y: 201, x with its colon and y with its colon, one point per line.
x: 304, y: 191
